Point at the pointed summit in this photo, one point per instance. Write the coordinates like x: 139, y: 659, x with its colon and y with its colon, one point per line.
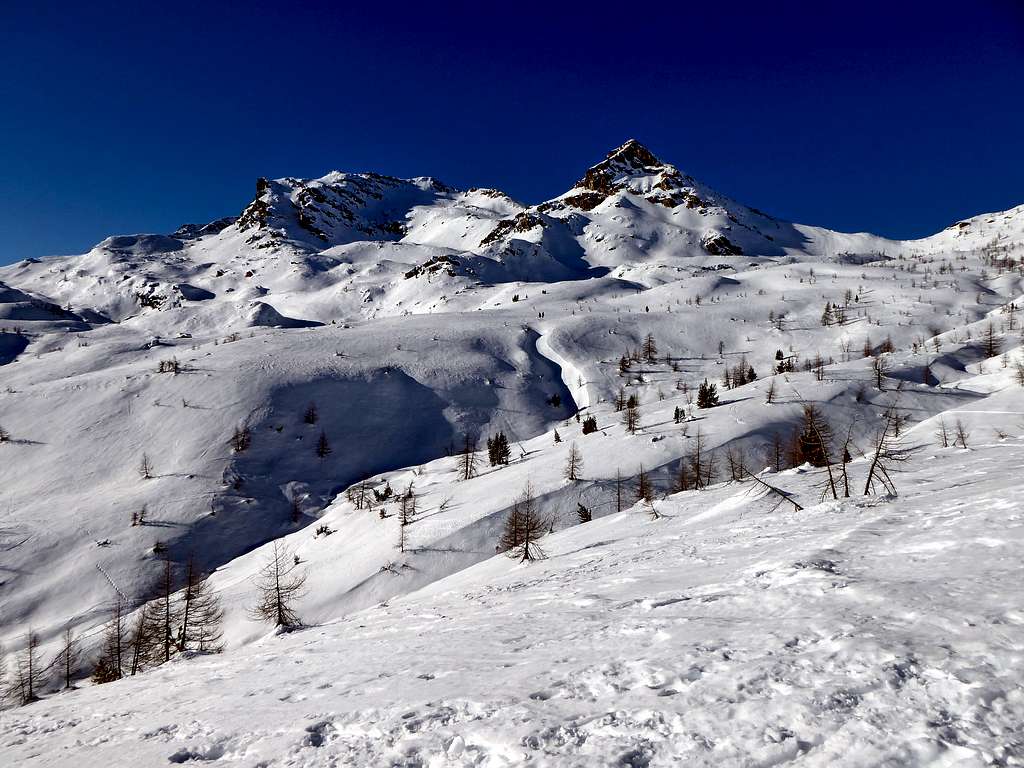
x: 631, y: 167
x: 633, y: 154
x: 631, y: 160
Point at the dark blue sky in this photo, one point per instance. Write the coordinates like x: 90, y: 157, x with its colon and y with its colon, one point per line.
x: 895, y: 117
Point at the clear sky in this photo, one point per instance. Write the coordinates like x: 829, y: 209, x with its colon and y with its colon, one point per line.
x: 896, y: 117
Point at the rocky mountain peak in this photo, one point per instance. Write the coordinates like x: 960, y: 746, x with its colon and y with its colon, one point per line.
x: 631, y: 167
x: 634, y: 155
x: 630, y: 160
x: 336, y: 208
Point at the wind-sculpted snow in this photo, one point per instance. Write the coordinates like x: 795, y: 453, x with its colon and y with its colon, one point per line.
x: 262, y: 314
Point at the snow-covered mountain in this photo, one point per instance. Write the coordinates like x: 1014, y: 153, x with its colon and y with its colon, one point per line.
x: 411, y: 316
x: 349, y: 246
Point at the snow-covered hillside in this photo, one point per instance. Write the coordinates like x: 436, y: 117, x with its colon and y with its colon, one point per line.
x: 872, y: 631
x: 212, y: 393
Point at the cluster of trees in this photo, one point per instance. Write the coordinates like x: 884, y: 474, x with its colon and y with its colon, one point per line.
x: 620, y: 400
x: 784, y: 363
x: 498, y: 451
x: 833, y: 314
x: 629, y: 406
x: 990, y: 341
x: 467, y: 457
x: 697, y: 468
x: 814, y: 441
x: 707, y: 395
x: 647, y: 352
x: 883, y: 348
x: 311, y: 415
x: 364, y: 496
x: 174, y: 622
x: 957, y: 437
x: 241, y: 439
x: 739, y: 374
x: 323, y: 447
x: 631, y: 414
x: 30, y: 675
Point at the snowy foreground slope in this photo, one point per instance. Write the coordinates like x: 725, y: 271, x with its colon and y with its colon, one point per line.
x: 410, y: 315
x: 874, y: 631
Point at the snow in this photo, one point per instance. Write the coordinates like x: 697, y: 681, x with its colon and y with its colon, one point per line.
x: 728, y: 631
x: 864, y: 632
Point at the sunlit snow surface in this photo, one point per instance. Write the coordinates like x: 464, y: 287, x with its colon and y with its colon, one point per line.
x: 728, y: 631
x: 873, y: 631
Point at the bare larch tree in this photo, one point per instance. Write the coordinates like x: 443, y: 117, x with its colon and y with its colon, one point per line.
x: 887, y: 454
x: 467, y: 457
x: 68, y: 658
x: 167, y: 613
x: 573, y: 463
x: 29, y: 674
x: 523, y: 528
x: 109, y: 665
x: 280, y: 583
x: 201, y: 615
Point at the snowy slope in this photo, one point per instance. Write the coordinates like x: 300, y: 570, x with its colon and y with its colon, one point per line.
x: 413, y: 314
x: 870, y: 632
